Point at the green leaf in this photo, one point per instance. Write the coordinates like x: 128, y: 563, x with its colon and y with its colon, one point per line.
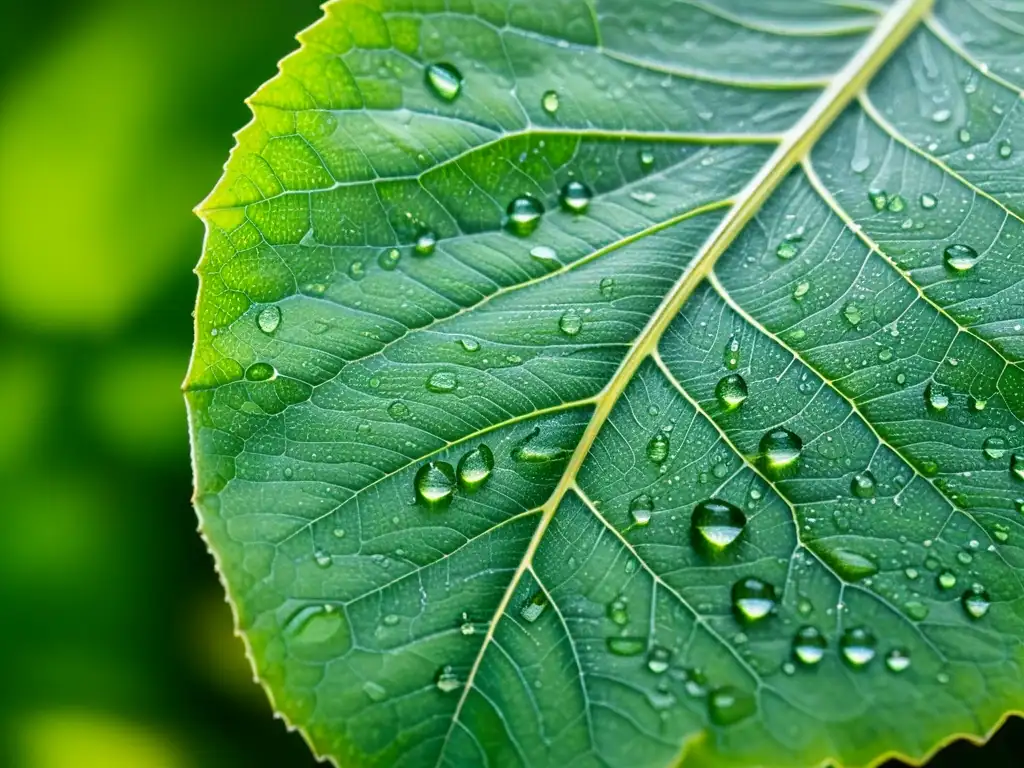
x: 624, y: 383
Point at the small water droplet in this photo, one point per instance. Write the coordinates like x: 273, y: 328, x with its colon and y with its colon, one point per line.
x: 752, y: 599
x: 446, y: 680
x: 442, y: 381
x: 547, y: 256
x: 426, y: 241
x: 658, y: 448
x: 1005, y: 148
x: 575, y: 197
x: 809, y: 646
x: 863, y: 485
x: 858, y: 646
x: 524, y: 214
x: 878, y: 199
x: 570, y: 323
x: 549, y: 101
x: 641, y: 508
x: 646, y: 158
x: 374, y: 691
x: 897, y: 660
x: 885, y: 354
x: 627, y: 646
x: 728, y: 705
x: 269, y: 318
x: 357, y: 270
x: 786, y: 250
x: 928, y: 201
x: 959, y: 257
x: 618, y: 611
x: 658, y: 659
x: 470, y: 345
x: 533, y: 450
x: 475, y: 468
x: 941, y: 115
x: 444, y: 80
x: 435, y: 484
x: 607, y: 287
x: 994, y: 447
x: 916, y: 610
x: 801, y: 290
x: 964, y: 135
x: 946, y: 580
x: 852, y: 314
x: 976, y: 601
x: 936, y: 397
x: 896, y: 204
x: 731, y: 391
x: 323, y: 559
x: 1017, y: 466
x: 388, y: 260
x: 851, y: 566
x: 398, y: 410
x: 780, y: 450
x: 260, y: 372
x: 717, y: 523
x: 534, y: 607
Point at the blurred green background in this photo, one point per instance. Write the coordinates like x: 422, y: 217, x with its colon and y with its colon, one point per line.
x: 117, y: 649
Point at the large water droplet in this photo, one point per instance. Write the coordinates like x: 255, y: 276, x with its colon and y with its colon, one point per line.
x: 444, y: 80
x: 780, y: 450
x: 731, y: 391
x: 442, y: 381
x: 850, y: 565
x: 641, y: 508
x: 809, y: 646
x: 534, y: 607
x: 446, y: 680
x: 863, y: 485
x: 858, y: 646
x: 269, y: 318
x: 728, y: 705
x: 575, y: 197
x: 897, y: 660
x: 936, y: 397
x: 627, y: 646
x: 717, y: 523
x: 752, y: 599
x: 524, y: 214
x: 549, y: 101
x: 475, y: 468
x: 960, y: 258
x: 994, y: 447
x: 570, y: 323
x: 976, y: 601
x: 426, y: 241
x: 658, y: 448
x: 435, y: 484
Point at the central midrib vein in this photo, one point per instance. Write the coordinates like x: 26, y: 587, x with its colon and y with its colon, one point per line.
x: 892, y: 29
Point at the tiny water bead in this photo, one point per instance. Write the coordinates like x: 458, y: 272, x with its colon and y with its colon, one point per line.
x: 858, y: 646
x: 534, y: 607
x: 575, y: 197
x: 863, y: 485
x: 731, y: 391
x: 780, y: 450
x: 269, y: 318
x: 936, y: 397
x: 475, y: 468
x: 627, y: 646
x: 446, y: 680
x: 809, y: 646
x: 658, y: 448
x: 641, y: 508
x: 426, y: 242
x: 976, y: 601
x: 728, y: 705
x: 444, y: 80
x: 646, y: 158
x: 442, y: 381
x: 260, y: 372
x: 752, y: 599
x: 524, y: 214
x: 960, y: 258
x: 570, y: 323
x: 435, y: 484
x: 898, y: 660
x: 549, y: 101
x: 1005, y: 148
x: 717, y: 523
x: 994, y: 447
x: 731, y: 355
x: 388, y: 260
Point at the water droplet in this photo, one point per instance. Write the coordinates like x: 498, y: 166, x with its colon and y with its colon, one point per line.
x: 658, y: 448
x: 374, y: 691
x: 524, y: 214
x: 994, y: 447
x: 916, y: 610
x: 547, y: 256
x: 896, y: 204
x: 928, y: 201
x: 885, y: 354
x: 809, y: 646
x: 475, y: 468
x: 435, y: 484
x: 641, y: 508
x: 941, y: 115
x: 534, y: 607
x: 752, y: 599
x: 575, y: 197
x: 728, y: 705
x: 850, y: 565
x: 878, y: 199
x: 444, y: 80
x: 936, y: 397
x: 269, y: 318
x: 617, y: 610
x: 318, y: 624
x: 960, y: 258
x: 357, y: 270
x: 717, y: 523
x: 549, y: 101
x: 786, y: 250
x: 470, y: 345
x: 731, y: 391
x: 388, y: 260
x: 976, y: 601
x: 801, y: 290
x: 426, y: 241
x: 446, y: 680
x: 863, y: 485
x: 607, y: 287
x: 323, y: 559
x: 731, y: 356
x: 398, y: 410
x: 442, y: 381
x: 646, y: 158
x: 658, y: 659
x: 852, y: 314
x: 533, y: 450
x: 627, y: 646
x: 897, y: 660
x: 1017, y: 466
x: 946, y: 580
x: 260, y: 372
x: 780, y: 450
x: 858, y: 646
x: 964, y: 135
x: 570, y: 323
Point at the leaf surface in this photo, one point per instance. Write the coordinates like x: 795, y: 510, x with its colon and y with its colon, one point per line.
x: 624, y: 383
